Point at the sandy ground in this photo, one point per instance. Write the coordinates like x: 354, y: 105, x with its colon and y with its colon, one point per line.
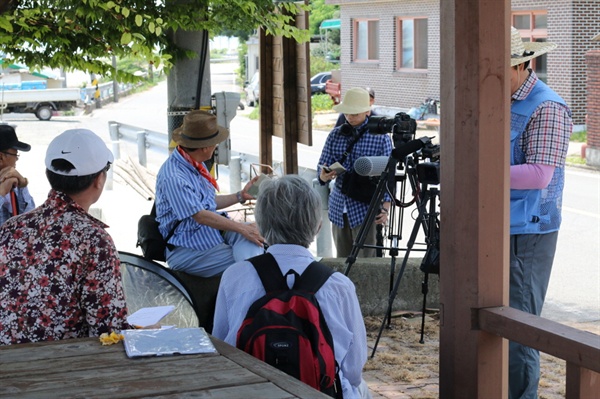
x: 405, y: 368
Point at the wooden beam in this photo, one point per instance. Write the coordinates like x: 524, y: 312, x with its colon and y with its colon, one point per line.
x: 474, y: 194
x: 265, y: 126
x: 290, y: 98
x: 581, y: 383
x: 564, y: 342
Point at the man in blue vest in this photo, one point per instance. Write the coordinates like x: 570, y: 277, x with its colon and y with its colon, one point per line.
x: 540, y: 130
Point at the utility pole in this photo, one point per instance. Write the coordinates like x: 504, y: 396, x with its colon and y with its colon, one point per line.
x: 188, y: 83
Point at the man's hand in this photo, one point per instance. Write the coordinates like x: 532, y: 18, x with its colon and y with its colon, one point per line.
x: 382, y: 216
x: 250, y: 232
x: 11, y: 173
x: 9, y: 178
x: 327, y: 176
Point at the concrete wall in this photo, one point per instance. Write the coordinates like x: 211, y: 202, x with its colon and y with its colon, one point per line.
x: 371, y: 276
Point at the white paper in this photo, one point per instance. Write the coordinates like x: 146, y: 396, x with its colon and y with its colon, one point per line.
x: 149, y: 316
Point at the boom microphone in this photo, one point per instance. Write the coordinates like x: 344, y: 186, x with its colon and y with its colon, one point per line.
x: 370, y: 166
x: 412, y: 146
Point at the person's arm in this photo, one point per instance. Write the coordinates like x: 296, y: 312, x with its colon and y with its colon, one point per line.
x: 227, y: 200
x: 221, y: 317
x: 530, y: 176
x: 356, y: 356
x: 102, y: 296
x: 326, y: 158
x: 216, y: 221
x: 26, y: 202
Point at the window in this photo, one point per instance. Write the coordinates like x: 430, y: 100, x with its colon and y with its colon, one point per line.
x: 533, y: 26
x: 366, y: 40
x: 412, y: 43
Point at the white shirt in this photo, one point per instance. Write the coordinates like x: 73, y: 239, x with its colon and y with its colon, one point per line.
x: 241, y: 286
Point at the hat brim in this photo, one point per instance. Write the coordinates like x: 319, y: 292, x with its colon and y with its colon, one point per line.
x: 535, y: 48
x: 349, y: 109
x: 596, y: 38
x: 189, y: 142
x: 19, y: 145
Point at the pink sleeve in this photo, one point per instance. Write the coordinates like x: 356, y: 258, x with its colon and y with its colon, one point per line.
x: 529, y: 176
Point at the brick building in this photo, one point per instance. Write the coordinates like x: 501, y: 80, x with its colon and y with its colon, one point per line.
x: 394, y: 47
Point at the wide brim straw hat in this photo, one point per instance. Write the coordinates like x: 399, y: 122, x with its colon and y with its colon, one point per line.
x: 596, y: 38
x: 356, y: 101
x: 521, y: 51
x: 199, y: 130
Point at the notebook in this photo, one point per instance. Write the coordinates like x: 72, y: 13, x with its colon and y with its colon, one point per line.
x: 165, y: 342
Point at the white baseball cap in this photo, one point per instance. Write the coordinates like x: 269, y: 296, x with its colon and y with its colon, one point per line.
x: 81, y: 147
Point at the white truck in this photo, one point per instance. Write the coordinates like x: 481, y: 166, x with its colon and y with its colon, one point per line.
x: 40, y: 102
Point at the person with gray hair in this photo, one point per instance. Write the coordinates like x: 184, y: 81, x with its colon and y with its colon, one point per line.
x: 288, y: 215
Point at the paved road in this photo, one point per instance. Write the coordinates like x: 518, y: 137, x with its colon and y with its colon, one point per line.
x: 574, y: 292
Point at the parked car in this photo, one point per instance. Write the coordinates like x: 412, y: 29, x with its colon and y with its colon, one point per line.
x: 317, y: 82
x: 252, y: 91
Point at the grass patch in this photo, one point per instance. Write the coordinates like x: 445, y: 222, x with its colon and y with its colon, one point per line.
x: 255, y: 113
x: 321, y: 102
x: 575, y: 160
x: 579, y: 137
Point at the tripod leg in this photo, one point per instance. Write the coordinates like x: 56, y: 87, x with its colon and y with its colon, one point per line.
x: 387, y: 316
x: 424, y: 290
x: 372, y: 212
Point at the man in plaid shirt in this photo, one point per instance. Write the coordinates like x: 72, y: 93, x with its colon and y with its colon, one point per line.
x: 540, y: 130
x: 345, y: 213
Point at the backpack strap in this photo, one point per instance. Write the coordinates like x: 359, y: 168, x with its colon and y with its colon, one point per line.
x: 168, y: 237
x: 270, y: 275
x: 313, y: 277
x: 272, y: 279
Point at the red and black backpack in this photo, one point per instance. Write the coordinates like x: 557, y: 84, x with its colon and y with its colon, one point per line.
x: 286, y: 328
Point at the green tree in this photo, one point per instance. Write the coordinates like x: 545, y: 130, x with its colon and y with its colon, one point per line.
x: 84, y: 34
x: 319, y: 12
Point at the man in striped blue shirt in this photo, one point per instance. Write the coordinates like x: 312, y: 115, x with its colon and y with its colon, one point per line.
x: 205, y: 242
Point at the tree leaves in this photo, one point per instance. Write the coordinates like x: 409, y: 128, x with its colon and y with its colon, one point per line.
x: 82, y: 34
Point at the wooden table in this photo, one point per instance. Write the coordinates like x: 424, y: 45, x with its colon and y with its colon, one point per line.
x: 77, y: 368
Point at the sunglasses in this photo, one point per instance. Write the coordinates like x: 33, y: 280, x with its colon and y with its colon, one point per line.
x: 16, y: 155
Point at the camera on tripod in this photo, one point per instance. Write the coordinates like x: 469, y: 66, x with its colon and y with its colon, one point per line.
x: 403, y: 129
x: 402, y: 126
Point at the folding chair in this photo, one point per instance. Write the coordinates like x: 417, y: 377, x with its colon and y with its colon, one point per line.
x: 147, y: 283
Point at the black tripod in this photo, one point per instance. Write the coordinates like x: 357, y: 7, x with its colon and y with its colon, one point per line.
x: 426, y: 219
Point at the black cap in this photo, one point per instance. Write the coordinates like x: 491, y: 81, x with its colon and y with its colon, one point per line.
x: 8, y: 139
x: 371, y: 92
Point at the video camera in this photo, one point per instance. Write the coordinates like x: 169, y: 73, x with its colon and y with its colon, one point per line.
x: 403, y: 129
x: 402, y: 126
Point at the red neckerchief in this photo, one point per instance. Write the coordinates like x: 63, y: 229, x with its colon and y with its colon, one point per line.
x: 199, y: 167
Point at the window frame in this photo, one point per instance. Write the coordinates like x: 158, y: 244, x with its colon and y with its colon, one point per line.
x: 532, y: 34
x: 355, y: 40
x: 416, y: 43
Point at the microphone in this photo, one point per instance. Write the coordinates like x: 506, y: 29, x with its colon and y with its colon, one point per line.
x: 412, y: 146
x: 370, y: 166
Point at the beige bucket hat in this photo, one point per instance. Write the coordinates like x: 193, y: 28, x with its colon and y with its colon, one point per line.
x: 199, y: 130
x: 356, y: 101
x: 521, y: 51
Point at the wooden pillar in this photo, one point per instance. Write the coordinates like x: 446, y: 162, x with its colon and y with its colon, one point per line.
x: 474, y: 194
x: 290, y: 96
x: 265, y: 125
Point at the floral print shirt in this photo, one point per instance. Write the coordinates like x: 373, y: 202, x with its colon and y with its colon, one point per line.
x: 59, y: 275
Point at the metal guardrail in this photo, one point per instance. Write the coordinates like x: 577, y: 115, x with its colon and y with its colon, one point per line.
x: 144, y: 139
x: 106, y: 91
